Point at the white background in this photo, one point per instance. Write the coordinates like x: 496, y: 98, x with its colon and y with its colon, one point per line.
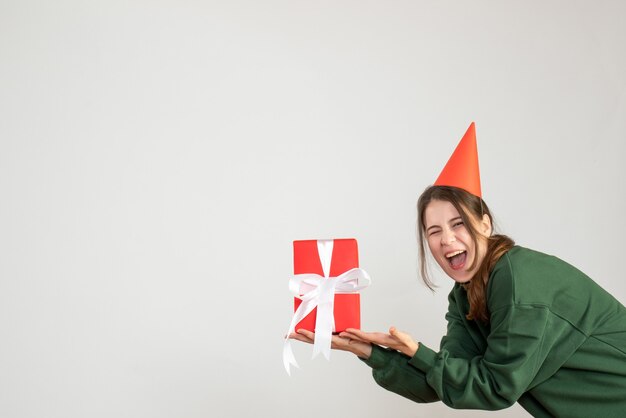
x: 157, y: 158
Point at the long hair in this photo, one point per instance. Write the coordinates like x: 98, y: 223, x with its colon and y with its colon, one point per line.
x: 471, y: 208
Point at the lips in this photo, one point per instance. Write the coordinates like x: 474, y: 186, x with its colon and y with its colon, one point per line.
x: 457, y: 259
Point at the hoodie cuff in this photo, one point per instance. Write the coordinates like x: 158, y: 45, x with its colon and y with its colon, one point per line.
x: 424, y: 358
x: 378, y: 358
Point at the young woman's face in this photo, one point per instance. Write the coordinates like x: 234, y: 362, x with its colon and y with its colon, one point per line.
x: 450, y: 242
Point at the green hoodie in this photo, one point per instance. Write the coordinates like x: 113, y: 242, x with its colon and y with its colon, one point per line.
x: 555, y: 343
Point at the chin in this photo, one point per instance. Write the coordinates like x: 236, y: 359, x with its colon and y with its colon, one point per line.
x: 464, y: 278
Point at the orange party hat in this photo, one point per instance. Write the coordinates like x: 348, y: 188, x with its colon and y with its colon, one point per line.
x: 461, y: 170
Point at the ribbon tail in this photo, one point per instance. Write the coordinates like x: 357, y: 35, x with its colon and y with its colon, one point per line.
x: 322, y: 344
x: 325, y: 322
x: 307, y: 305
x: 288, y: 358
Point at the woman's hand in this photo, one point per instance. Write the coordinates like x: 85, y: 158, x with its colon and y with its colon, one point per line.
x: 359, y: 347
x: 395, y: 339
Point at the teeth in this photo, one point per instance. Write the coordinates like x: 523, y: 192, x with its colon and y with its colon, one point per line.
x: 454, y: 253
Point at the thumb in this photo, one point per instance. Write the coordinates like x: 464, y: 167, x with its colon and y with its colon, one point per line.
x: 398, y: 335
x: 393, y: 331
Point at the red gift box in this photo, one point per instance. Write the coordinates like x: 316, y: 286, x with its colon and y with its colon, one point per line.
x: 345, y: 256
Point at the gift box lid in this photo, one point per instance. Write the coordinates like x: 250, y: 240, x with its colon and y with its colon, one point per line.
x: 306, y: 259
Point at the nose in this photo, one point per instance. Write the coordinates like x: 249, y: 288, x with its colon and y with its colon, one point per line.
x: 447, y: 237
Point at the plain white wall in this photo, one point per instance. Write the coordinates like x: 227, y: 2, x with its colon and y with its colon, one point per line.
x: 157, y: 158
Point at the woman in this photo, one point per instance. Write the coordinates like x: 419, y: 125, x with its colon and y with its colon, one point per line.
x: 522, y: 326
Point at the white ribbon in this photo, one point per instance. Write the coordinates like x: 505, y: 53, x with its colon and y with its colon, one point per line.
x: 319, y: 291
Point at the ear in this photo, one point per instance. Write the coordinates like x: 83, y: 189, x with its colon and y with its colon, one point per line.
x: 485, y: 225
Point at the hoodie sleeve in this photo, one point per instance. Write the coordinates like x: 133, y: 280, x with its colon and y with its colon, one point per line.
x: 520, y: 340
x: 393, y: 371
x: 457, y: 340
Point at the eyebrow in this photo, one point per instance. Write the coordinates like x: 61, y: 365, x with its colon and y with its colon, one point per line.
x: 437, y: 226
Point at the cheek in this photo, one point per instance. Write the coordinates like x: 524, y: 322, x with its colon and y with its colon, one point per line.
x: 435, y: 250
x: 467, y: 241
x: 469, y: 246
x: 431, y: 244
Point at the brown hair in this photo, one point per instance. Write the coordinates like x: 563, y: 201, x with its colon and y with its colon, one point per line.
x: 470, y: 208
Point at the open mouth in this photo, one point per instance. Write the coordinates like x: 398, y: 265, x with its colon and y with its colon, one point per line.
x: 457, y: 259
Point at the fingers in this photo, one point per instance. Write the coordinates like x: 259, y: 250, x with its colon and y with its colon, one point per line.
x: 299, y: 337
x: 306, y: 333
x: 397, y: 335
x: 395, y: 339
x: 357, y: 334
x: 338, y: 342
x: 406, y: 344
x: 370, y: 337
x: 309, y: 337
x: 360, y: 342
x: 304, y: 336
x: 400, y: 336
x: 361, y: 349
x: 352, y: 337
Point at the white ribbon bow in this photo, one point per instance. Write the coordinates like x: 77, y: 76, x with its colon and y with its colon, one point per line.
x: 319, y: 291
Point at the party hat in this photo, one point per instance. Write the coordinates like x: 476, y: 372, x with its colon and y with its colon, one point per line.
x: 461, y: 170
